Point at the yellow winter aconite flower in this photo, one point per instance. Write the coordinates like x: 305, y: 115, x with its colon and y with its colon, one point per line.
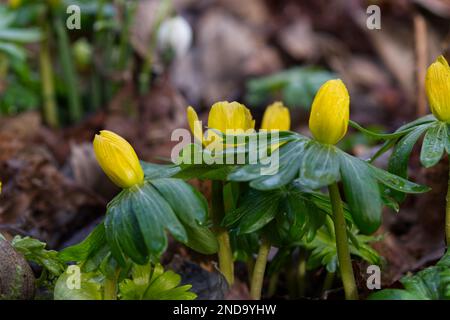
x: 223, y: 116
x: 276, y: 117
x: 330, y: 112
x: 437, y: 85
x: 118, y: 159
x: 14, y: 3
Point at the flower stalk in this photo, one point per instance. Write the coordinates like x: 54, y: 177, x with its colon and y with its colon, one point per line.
x: 328, y: 282
x: 259, y: 270
x: 217, y: 213
x: 48, y: 87
x: 110, y: 289
x: 301, y: 269
x: 110, y: 286
x: 447, y: 213
x: 68, y: 70
x: 343, y: 251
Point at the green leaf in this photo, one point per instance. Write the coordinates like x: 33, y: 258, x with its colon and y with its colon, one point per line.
x: 447, y: 140
x: 128, y: 229
x: 20, y: 35
x: 192, y: 165
x: 244, y: 142
x: 138, y: 217
x: 83, y: 250
x: 431, y: 283
x: 398, y: 161
x: 244, y: 246
x: 404, y: 130
x: 393, y: 294
x: 302, y: 218
x: 323, y: 248
x: 6, y: 18
x: 191, y: 208
x: 112, y: 235
x: 424, y: 284
x: 387, y: 136
x: 319, y: 166
x: 256, y: 210
x: 13, y: 50
x: 34, y: 250
x: 89, y: 253
x: 90, y: 287
x: 433, y: 145
x: 201, y: 239
x: 289, y: 156
x: 395, y: 182
x: 156, y: 171
x: 204, y: 172
x: 361, y: 193
x: 428, y: 119
x: 154, y: 214
x: 280, y: 260
x: 192, y: 158
x: 149, y: 283
x: 188, y: 204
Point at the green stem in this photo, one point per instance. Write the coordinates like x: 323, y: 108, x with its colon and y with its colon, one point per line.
x: 291, y: 276
x: 164, y: 10
x: 328, y: 282
x: 108, y: 65
x: 217, y: 213
x: 302, y: 273
x: 273, y: 282
x: 447, y: 213
x: 110, y: 288
x: 68, y: 68
x: 343, y: 251
x: 259, y: 270
x: 96, y: 87
x: 124, y: 44
x: 48, y: 87
x: 250, y: 267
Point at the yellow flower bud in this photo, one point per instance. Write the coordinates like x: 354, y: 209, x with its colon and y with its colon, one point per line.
x: 226, y: 115
x: 330, y: 112
x: 276, y: 117
x: 14, y: 4
x: 223, y: 116
x: 437, y: 85
x: 118, y: 159
x: 194, y: 123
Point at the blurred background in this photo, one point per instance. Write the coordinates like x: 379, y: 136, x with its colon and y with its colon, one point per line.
x: 70, y: 68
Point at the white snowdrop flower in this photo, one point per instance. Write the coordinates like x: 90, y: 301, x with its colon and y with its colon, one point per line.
x: 176, y: 34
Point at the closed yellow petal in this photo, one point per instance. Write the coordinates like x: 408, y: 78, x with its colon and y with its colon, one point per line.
x: 330, y: 112
x: 195, y: 124
x: 437, y: 85
x: 226, y: 115
x: 276, y: 117
x: 118, y: 159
